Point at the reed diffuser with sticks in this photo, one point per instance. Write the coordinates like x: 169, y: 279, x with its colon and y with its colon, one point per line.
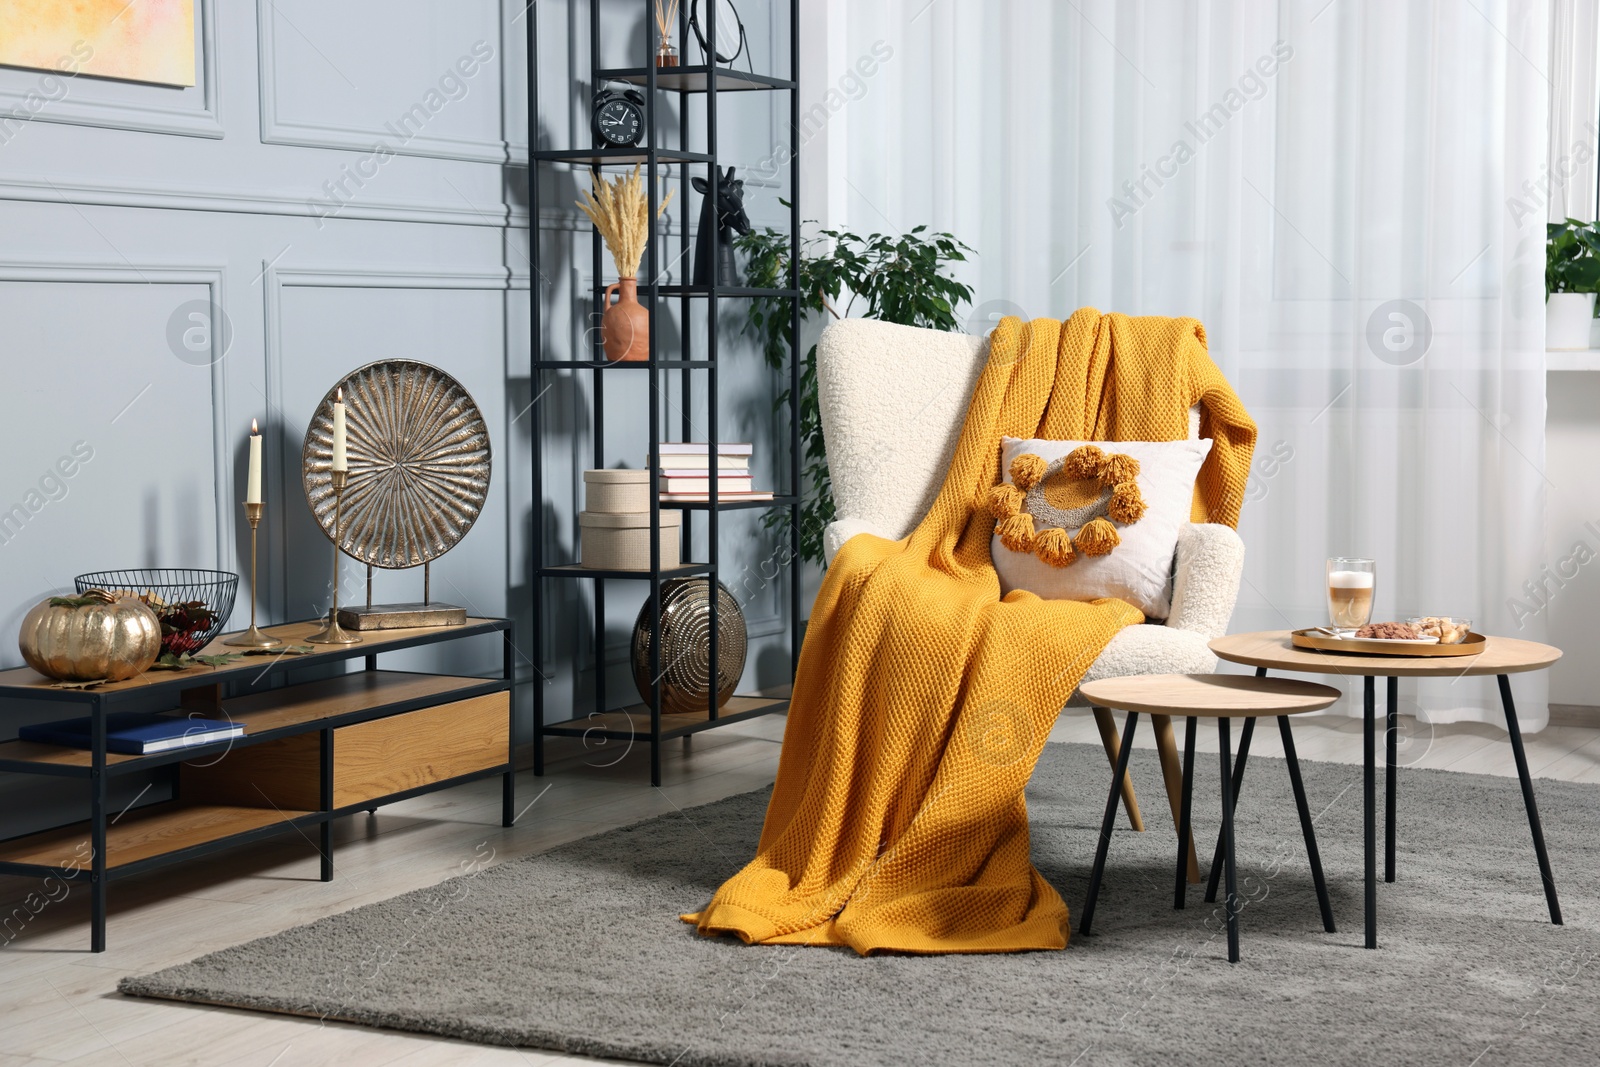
x: 620, y: 210
x: 666, y: 17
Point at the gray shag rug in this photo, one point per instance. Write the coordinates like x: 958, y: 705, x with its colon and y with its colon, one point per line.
x: 580, y: 950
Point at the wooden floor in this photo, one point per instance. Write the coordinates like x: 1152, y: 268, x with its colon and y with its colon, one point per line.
x: 58, y: 1002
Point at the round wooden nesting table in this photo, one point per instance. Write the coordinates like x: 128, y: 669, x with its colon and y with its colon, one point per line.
x: 1224, y: 698
x: 1501, y: 657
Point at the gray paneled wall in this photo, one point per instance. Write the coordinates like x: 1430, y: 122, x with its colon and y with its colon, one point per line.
x: 343, y: 185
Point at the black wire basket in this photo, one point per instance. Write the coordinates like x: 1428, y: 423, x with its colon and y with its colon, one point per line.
x: 174, y: 585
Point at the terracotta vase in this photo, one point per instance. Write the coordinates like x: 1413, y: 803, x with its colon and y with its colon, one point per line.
x: 625, y: 326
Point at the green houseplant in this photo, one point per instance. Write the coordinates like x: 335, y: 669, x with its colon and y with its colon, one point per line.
x: 1571, y: 279
x: 901, y: 278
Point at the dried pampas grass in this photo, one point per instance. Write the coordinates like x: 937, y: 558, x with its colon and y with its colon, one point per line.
x: 620, y: 212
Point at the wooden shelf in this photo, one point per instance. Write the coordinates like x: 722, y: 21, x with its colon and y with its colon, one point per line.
x: 776, y: 501
x: 668, y: 570
x: 334, y: 698
x: 692, y: 79
x: 25, y: 683
x: 633, y: 722
x: 273, y: 711
x: 618, y: 157
x: 54, y: 755
x: 744, y: 291
x: 143, y: 833
x: 637, y: 364
x: 370, y: 760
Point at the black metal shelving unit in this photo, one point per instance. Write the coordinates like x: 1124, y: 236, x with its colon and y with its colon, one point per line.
x: 626, y: 723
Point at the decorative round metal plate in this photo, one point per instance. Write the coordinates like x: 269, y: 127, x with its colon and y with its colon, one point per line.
x: 686, y: 646
x: 419, y: 457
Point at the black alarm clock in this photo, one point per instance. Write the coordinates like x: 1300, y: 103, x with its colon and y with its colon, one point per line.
x: 619, y: 118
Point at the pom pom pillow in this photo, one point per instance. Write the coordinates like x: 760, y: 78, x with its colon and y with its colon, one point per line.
x: 1080, y: 520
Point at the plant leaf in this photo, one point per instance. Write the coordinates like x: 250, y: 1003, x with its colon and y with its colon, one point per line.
x: 900, y: 278
x: 74, y: 601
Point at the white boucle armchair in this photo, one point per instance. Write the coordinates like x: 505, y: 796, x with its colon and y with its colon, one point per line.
x: 893, y: 399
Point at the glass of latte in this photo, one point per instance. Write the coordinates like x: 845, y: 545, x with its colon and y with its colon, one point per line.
x: 1350, y: 586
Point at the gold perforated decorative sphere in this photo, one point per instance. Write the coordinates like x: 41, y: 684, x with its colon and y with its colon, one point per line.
x: 686, y: 646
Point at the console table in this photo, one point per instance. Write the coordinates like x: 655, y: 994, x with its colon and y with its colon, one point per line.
x: 311, y: 752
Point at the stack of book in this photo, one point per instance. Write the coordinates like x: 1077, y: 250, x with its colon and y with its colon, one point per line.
x: 684, y: 470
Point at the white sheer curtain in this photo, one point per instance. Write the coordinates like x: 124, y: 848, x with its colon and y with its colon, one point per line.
x: 1334, y: 187
x: 1574, y: 107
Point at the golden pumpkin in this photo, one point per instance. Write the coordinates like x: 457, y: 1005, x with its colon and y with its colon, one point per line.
x: 89, y: 638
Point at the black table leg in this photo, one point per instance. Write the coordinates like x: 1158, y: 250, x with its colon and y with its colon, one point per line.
x: 1527, y: 799
x: 98, y: 865
x: 325, y: 831
x: 1369, y: 707
x: 1110, y: 821
x: 1389, y: 771
x: 508, y: 784
x: 1305, y: 822
x: 1238, y: 781
x: 1186, y: 812
x: 1232, y: 902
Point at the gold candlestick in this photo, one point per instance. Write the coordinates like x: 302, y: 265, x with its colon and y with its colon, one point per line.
x: 253, y: 638
x: 333, y: 633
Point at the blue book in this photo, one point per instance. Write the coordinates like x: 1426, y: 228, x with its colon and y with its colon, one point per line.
x: 134, y: 733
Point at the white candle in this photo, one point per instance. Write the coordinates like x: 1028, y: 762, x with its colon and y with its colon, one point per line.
x: 341, y: 461
x: 253, y: 493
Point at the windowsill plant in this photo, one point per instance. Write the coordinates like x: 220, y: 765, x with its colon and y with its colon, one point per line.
x: 1571, y: 279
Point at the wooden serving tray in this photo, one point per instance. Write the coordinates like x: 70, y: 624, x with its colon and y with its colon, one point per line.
x: 1472, y: 646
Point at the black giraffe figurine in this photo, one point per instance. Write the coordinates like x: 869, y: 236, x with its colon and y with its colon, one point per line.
x: 714, y: 242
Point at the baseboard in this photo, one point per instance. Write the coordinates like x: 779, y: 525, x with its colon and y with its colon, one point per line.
x: 1575, y: 715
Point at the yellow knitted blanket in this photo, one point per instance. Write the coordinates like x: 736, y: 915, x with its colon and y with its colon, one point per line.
x: 923, y: 699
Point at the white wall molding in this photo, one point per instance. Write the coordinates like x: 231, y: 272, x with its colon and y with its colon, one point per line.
x: 124, y: 273
x: 278, y: 130
x: 275, y: 279
x: 204, y: 121
x: 375, y: 278
x: 258, y: 203
x: 14, y: 270
x: 353, y: 139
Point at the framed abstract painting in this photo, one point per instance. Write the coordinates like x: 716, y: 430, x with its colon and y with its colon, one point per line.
x: 145, y: 41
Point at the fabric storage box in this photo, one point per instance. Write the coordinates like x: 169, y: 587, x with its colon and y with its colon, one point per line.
x: 617, y: 491
x: 621, y: 542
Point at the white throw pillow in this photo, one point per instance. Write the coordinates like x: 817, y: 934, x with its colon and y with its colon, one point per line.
x: 1139, y: 568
